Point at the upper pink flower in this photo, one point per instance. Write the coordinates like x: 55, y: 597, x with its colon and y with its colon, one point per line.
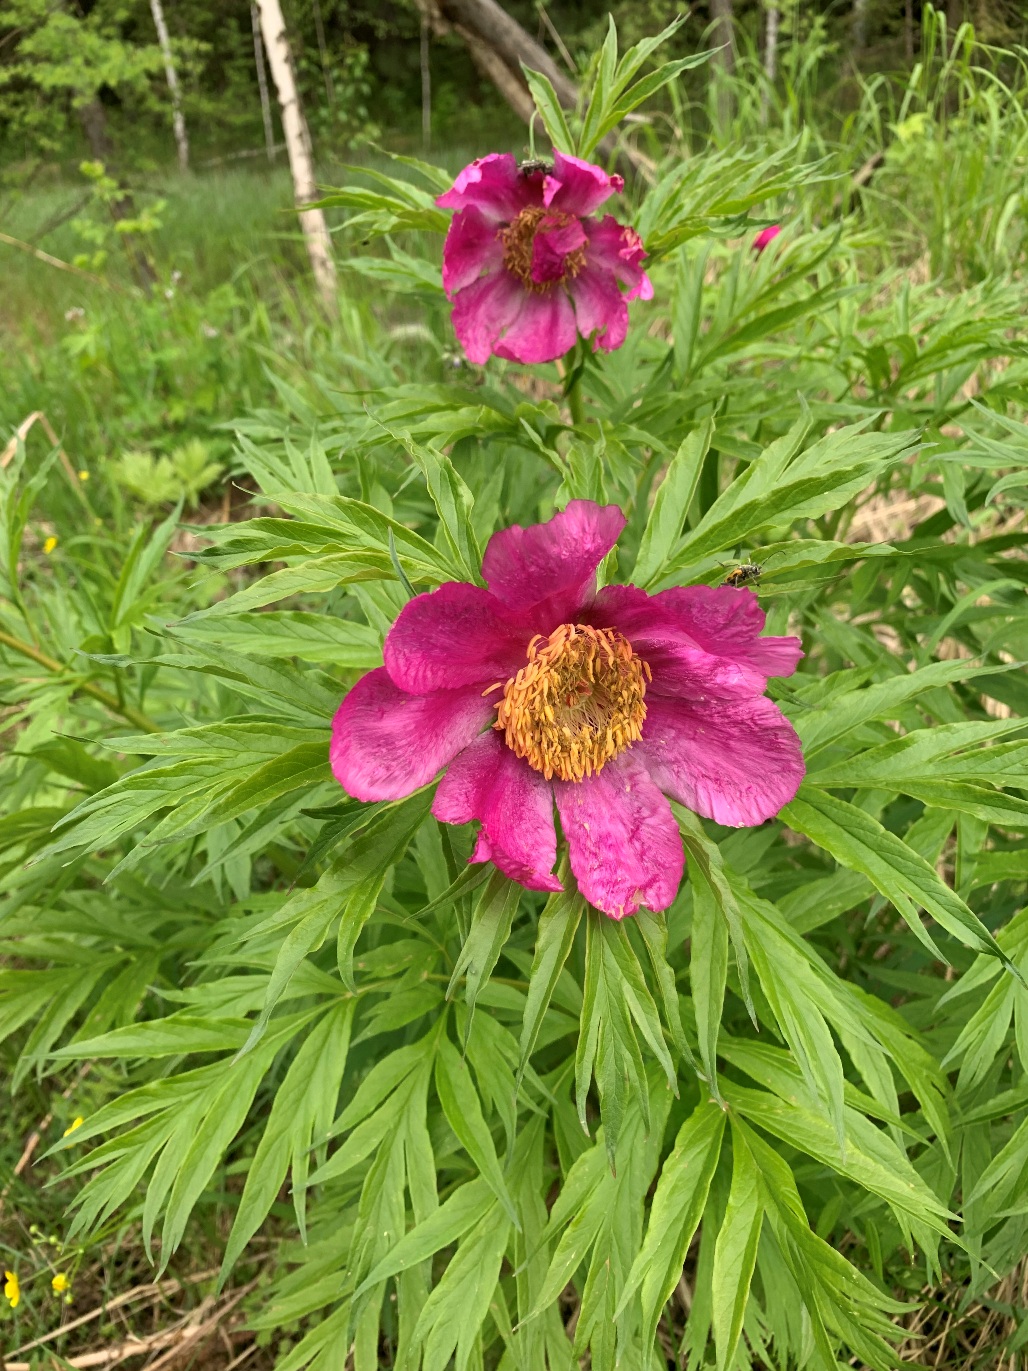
x: 527, y: 269
x: 766, y: 236
x: 541, y: 688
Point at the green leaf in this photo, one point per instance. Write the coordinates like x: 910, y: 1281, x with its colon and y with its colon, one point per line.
x: 671, y: 505
x: 859, y: 841
x: 545, y: 99
x: 708, y: 973
x: 558, y: 924
x: 461, y: 1211
x: 463, y: 1111
x: 706, y: 862
x: 675, y: 1214
x: 490, y: 928
x: 303, y: 1109
x: 735, y: 1253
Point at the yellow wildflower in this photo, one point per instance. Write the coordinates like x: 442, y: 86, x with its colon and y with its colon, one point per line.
x: 49, y: 545
x: 75, y: 1123
x: 83, y: 475
x: 12, y: 1290
x: 60, y: 1283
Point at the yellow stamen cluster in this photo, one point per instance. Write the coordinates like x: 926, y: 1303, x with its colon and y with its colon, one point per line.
x: 577, y: 702
x: 518, y: 239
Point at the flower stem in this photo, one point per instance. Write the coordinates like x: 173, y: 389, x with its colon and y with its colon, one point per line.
x: 575, y: 402
x: 133, y: 715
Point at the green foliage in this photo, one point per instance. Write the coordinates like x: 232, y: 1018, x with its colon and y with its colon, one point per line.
x: 478, y: 1126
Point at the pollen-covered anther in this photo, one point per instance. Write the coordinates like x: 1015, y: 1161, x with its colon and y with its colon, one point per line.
x: 518, y: 242
x: 577, y: 702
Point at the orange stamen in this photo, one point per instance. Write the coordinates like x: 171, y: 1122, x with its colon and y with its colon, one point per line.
x: 576, y: 704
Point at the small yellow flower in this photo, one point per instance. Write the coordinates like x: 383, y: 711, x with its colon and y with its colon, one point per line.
x: 49, y: 545
x: 75, y: 1123
x: 12, y: 1290
x: 83, y: 475
x: 60, y: 1283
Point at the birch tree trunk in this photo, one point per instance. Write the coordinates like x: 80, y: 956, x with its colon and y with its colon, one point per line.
x: 262, y: 83
x: 178, y: 121
x: 860, y: 25
x: 298, y: 148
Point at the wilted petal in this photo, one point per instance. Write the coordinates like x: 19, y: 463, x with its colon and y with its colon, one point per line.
x: 541, y: 330
x: 618, y: 249
x: 458, y: 635
x: 484, y: 310
x: 556, y: 560
x: 578, y: 187
x: 471, y: 248
x: 514, y: 805
x: 728, y: 622
x: 386, y: 744
x: 623, y: 842
x: 600, y: 309
x: 494, y: 186
x: 735, y: 761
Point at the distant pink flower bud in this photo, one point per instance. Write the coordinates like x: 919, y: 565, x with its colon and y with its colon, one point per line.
x: 528, y: 266
x: 766, y: 236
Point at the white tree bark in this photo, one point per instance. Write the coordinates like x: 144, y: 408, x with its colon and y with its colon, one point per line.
x: 178, y: 121
x: 860, y: 25
x: 262, y: 83
x: 298, y: 148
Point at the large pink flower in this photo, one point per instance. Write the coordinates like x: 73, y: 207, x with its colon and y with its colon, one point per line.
x: 542, y: 689
x: 528, y: 269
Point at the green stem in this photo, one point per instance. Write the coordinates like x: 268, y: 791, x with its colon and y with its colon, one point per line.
x: 576, y: 404
x: 134, y: 716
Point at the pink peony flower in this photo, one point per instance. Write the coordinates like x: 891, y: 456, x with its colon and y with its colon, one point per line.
x: 526, y: 267
x: 543, y: 689
x: 765, y: 237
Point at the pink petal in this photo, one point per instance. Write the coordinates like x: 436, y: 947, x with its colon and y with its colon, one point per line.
x: 514, y: 804
x: 483, y: 310
x: 728, y: 622
x: 618, y: 249
x: 493, y: 185
x: 578, y: 187
x: 387, y: 744
x: 600, y: 309
x: 471, y: 248
x: 458, y: 635
x: 550, y: 248
x: 542, y: 329
x: 623, y: 842
x: 735, y: 761
x: 553, y: 562
x: 678, y: 663
x: 766, y: 236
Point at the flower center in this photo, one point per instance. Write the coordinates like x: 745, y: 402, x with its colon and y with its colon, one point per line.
x: 577, y: 702
x: 519, y: 256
